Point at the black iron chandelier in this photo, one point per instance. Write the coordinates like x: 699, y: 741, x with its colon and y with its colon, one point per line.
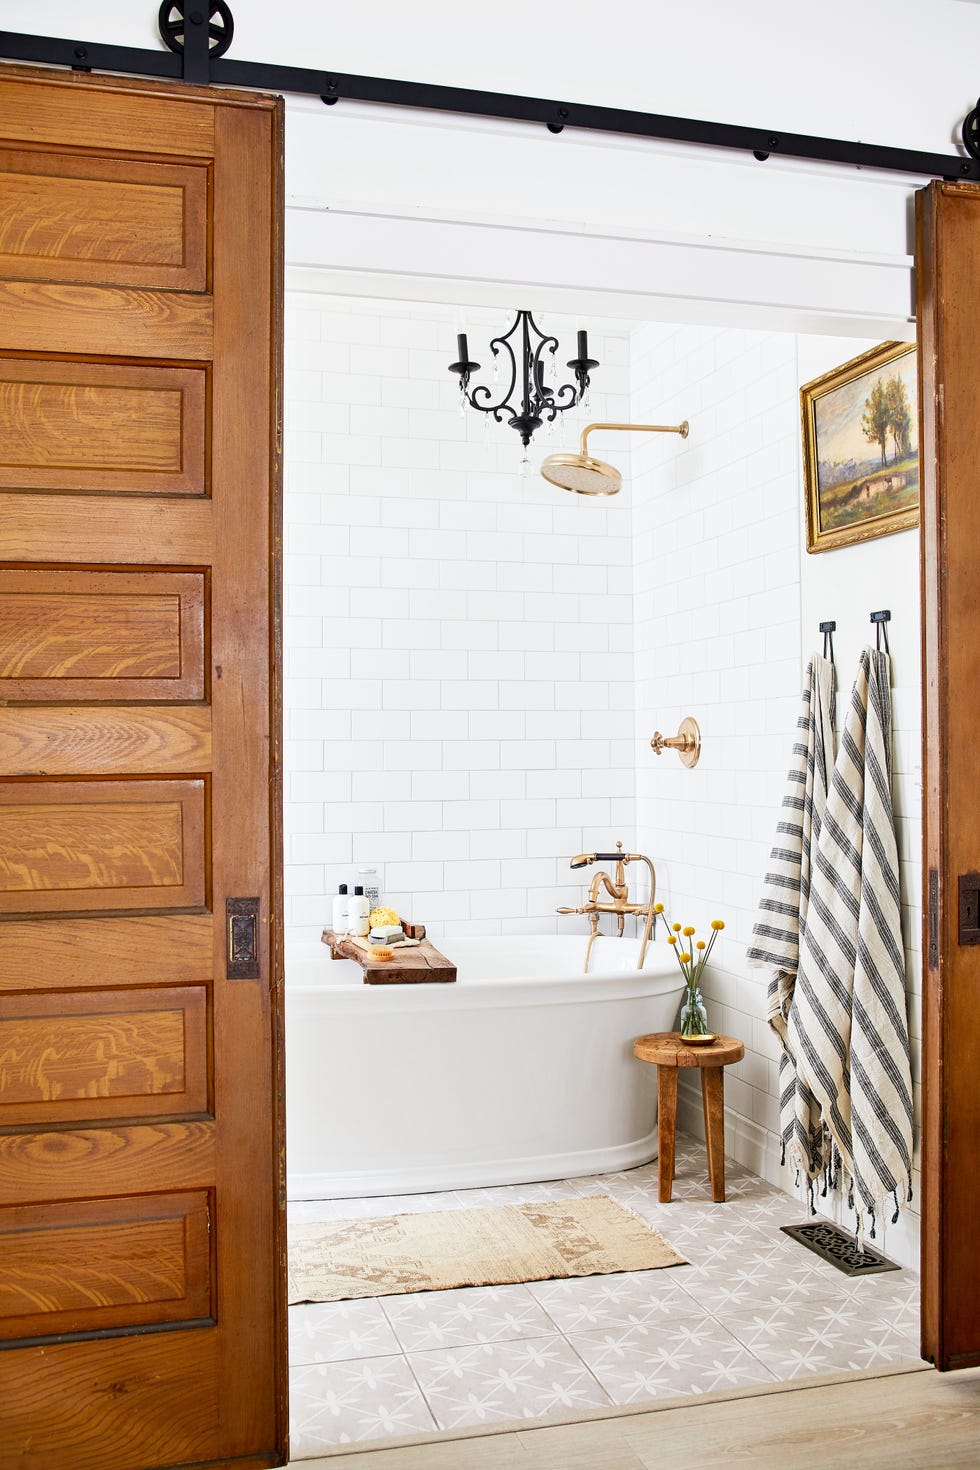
x: 539, y: 401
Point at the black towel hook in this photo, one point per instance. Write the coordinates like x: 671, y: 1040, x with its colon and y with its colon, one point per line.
x: 881, y: 621
x: 828, y: 630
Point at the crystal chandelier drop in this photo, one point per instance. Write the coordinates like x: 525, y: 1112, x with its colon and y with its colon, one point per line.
x: 528, y: 400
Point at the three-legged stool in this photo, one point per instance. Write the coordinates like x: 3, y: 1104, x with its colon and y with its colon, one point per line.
x: 669, y: 1052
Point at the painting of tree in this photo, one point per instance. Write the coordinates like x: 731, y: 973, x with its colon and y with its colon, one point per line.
x: 877, y: 418
x: 900, y: 412
x: 860, y: 448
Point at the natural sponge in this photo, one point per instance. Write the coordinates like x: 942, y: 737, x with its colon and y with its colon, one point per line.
x: 382, y: 916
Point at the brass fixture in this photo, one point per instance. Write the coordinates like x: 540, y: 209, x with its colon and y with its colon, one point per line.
x: 619, y: 900
x: 687, y: 741
x: 588, y: 476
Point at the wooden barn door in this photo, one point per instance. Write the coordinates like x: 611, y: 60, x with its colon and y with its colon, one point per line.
x: 948, y: 270
x: 140, y: 1224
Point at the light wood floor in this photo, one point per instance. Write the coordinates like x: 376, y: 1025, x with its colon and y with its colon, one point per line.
x: 900, y: 1419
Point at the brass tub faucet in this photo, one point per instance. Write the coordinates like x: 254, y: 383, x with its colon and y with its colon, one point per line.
x: 618, y: 901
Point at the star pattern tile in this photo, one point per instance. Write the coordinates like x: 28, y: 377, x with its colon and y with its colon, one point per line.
x: 506, y: 1380
x: 668, y: 1358
x: 753, y: 1306
x: 466, y: 1316
x: 332, y: 1332
x: 342, y: 1403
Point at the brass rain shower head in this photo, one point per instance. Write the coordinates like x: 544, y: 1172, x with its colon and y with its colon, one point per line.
x: 587, y: 476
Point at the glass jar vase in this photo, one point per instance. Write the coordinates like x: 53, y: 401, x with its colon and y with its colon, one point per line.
x: 694, y: 1017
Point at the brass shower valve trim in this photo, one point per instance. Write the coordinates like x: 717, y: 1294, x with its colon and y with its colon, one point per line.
x: 617, y: 900
x: 687, y: 741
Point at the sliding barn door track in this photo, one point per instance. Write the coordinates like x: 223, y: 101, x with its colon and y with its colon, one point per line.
x: 198, y: 33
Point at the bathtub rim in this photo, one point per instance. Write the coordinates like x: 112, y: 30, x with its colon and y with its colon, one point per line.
x: 348, y: 996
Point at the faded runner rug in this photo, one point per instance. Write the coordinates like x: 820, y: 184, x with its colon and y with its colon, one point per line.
x: 438, y: 1249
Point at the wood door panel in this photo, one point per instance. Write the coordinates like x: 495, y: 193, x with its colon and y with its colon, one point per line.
x: 94, y: 952
x: 62, y: 741
x: 51, y: 110
x: 121, y: 1404
x: 100, y: 1264
x: 116, y: 845
x: 140, y: 444
x: 122, y: 1054
x: 42, y: 316
x: 96, y: 426
x: 947, y: 262
x: 95, y: 528
x: 162, y: 1156
x: 114, y: 635
x: 65, y: 217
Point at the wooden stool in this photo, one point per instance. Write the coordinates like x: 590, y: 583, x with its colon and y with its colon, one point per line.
x: 666, y: 1049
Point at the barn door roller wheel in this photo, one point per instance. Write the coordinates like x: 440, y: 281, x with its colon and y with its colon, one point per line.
x: 220, y: 22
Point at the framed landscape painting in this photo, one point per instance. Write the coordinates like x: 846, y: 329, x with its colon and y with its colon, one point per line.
x: 861, y: 448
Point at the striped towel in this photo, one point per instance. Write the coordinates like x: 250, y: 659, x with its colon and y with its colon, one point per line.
x: 847, y: 1025
x: 785, y: 899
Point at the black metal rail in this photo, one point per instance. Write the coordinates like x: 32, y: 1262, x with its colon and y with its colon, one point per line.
x: 194, y: 63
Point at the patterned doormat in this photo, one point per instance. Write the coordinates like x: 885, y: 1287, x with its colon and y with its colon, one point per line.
x: 439, y: 1249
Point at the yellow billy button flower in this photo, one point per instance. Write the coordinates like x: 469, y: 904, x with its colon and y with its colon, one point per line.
x: 676, y: 928
x: 658, y: 908
x: 671, y: 938
x: 689, y: 930
x: 685, y: 958
x: 717, y: 923
x: 700, y: 944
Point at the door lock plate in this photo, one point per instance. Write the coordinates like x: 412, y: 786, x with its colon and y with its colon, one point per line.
x: 969, y: 913
x: 242, y: 938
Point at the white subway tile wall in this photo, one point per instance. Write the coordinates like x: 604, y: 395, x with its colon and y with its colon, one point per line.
x: 719, y: 572
x: 458, y: 637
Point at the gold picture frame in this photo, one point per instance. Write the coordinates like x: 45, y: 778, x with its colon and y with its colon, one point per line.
x: 860, y: 448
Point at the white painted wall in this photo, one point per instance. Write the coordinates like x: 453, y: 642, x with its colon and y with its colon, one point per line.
x: 403, y: 203
x: 833, y: 72
x: 727, y: 606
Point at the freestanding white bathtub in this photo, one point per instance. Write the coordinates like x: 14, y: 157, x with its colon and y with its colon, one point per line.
x: 521, y: 1070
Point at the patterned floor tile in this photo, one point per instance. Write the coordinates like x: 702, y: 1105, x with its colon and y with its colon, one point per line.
x: 753, y: 1305
x: 465, y: 1316
x: 505, y: 1380
x: 730, y: 1239
x: 639, y: 1363
x: 341, y: 1403
x: 800, y: 1339
x: 757, y: 1274
x: 626, y: 1299
x: 329, y: 1332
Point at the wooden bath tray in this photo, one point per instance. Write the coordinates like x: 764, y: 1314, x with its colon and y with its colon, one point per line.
x: 419, y: 964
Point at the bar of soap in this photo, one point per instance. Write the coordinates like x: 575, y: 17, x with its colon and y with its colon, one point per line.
x: 387, y: 934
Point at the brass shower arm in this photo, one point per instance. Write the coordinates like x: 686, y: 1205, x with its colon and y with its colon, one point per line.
x: 682, y: 429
